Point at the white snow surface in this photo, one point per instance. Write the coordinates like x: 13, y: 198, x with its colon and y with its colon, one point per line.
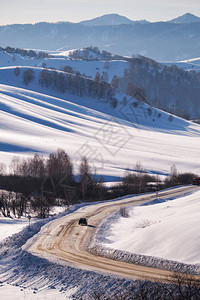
x: 10, y: 292
x: 9, y: 226
x: 12, y: 225
x: 113, y: 139
x: 168, y: 230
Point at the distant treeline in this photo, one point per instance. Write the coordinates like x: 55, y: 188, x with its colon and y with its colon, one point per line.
x: 23, y: 52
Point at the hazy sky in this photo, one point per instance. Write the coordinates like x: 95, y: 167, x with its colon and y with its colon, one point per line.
x: 32, y: 11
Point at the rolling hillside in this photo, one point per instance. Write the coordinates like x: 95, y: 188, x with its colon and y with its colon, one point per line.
x: 39, y: 119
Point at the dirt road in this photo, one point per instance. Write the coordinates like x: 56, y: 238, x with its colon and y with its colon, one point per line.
x: 65, y: 241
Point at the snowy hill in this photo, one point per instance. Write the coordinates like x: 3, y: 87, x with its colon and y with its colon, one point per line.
x: 164, y: 87
x: 62, y: 59
x: 186, y: 18
x: 114, y: 137
x: 37, y: 118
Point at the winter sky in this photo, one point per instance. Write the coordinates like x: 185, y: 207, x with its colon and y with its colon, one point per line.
x: 32, y: 11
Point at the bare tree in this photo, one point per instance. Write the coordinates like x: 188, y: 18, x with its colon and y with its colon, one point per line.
x: 2, y: 169
x: 28, y: 76
x: 85, y: 176
x: 15, y: 165
x: 17, y: 71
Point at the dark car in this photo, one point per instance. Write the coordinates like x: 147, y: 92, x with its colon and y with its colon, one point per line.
x: 196, y: 181
x: 82, y: 221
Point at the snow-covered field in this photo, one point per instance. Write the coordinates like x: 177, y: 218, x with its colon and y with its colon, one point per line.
x: 167, y: 230
x: 112, y: 139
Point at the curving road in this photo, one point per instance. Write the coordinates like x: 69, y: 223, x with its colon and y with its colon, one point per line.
x: 65, y: 241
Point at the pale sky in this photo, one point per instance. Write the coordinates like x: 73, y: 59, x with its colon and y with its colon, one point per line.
x: 32, y: 11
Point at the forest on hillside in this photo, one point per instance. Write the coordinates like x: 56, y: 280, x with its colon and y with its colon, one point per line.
x: 166, y: 87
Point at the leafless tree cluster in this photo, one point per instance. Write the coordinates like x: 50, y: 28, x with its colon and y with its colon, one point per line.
x: 42, y: 183
x: 139, y: 181
x: 78, y: 85
x: 176, y: 178
x: 12, y: 203
x: 28, y: 76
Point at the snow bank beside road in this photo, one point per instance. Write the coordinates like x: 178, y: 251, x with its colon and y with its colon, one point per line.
x: 166, y: 230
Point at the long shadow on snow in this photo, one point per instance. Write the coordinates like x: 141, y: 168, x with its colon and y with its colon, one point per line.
x: 34, y: 119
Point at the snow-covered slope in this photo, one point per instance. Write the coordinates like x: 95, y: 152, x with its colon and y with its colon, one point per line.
x: 32, y: 121
x: 61, y: 59
x: 167, y: 230
x: 36, y: 118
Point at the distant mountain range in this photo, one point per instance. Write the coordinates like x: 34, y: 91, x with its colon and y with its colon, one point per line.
x: 111, y: 19
x: 177, y: 39
x: 186, y: 18
x: 115, y: 19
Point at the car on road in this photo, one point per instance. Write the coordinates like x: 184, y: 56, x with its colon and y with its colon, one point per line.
x: 82, y: 221
x: 196, y: 181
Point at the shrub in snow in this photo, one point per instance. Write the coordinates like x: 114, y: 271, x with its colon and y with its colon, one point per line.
x: 28, y: 76
x: 149, y: 110
x: 144, y: 223
x: 17, y: 71
x: 159, y: 115
x: 123, y: 212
